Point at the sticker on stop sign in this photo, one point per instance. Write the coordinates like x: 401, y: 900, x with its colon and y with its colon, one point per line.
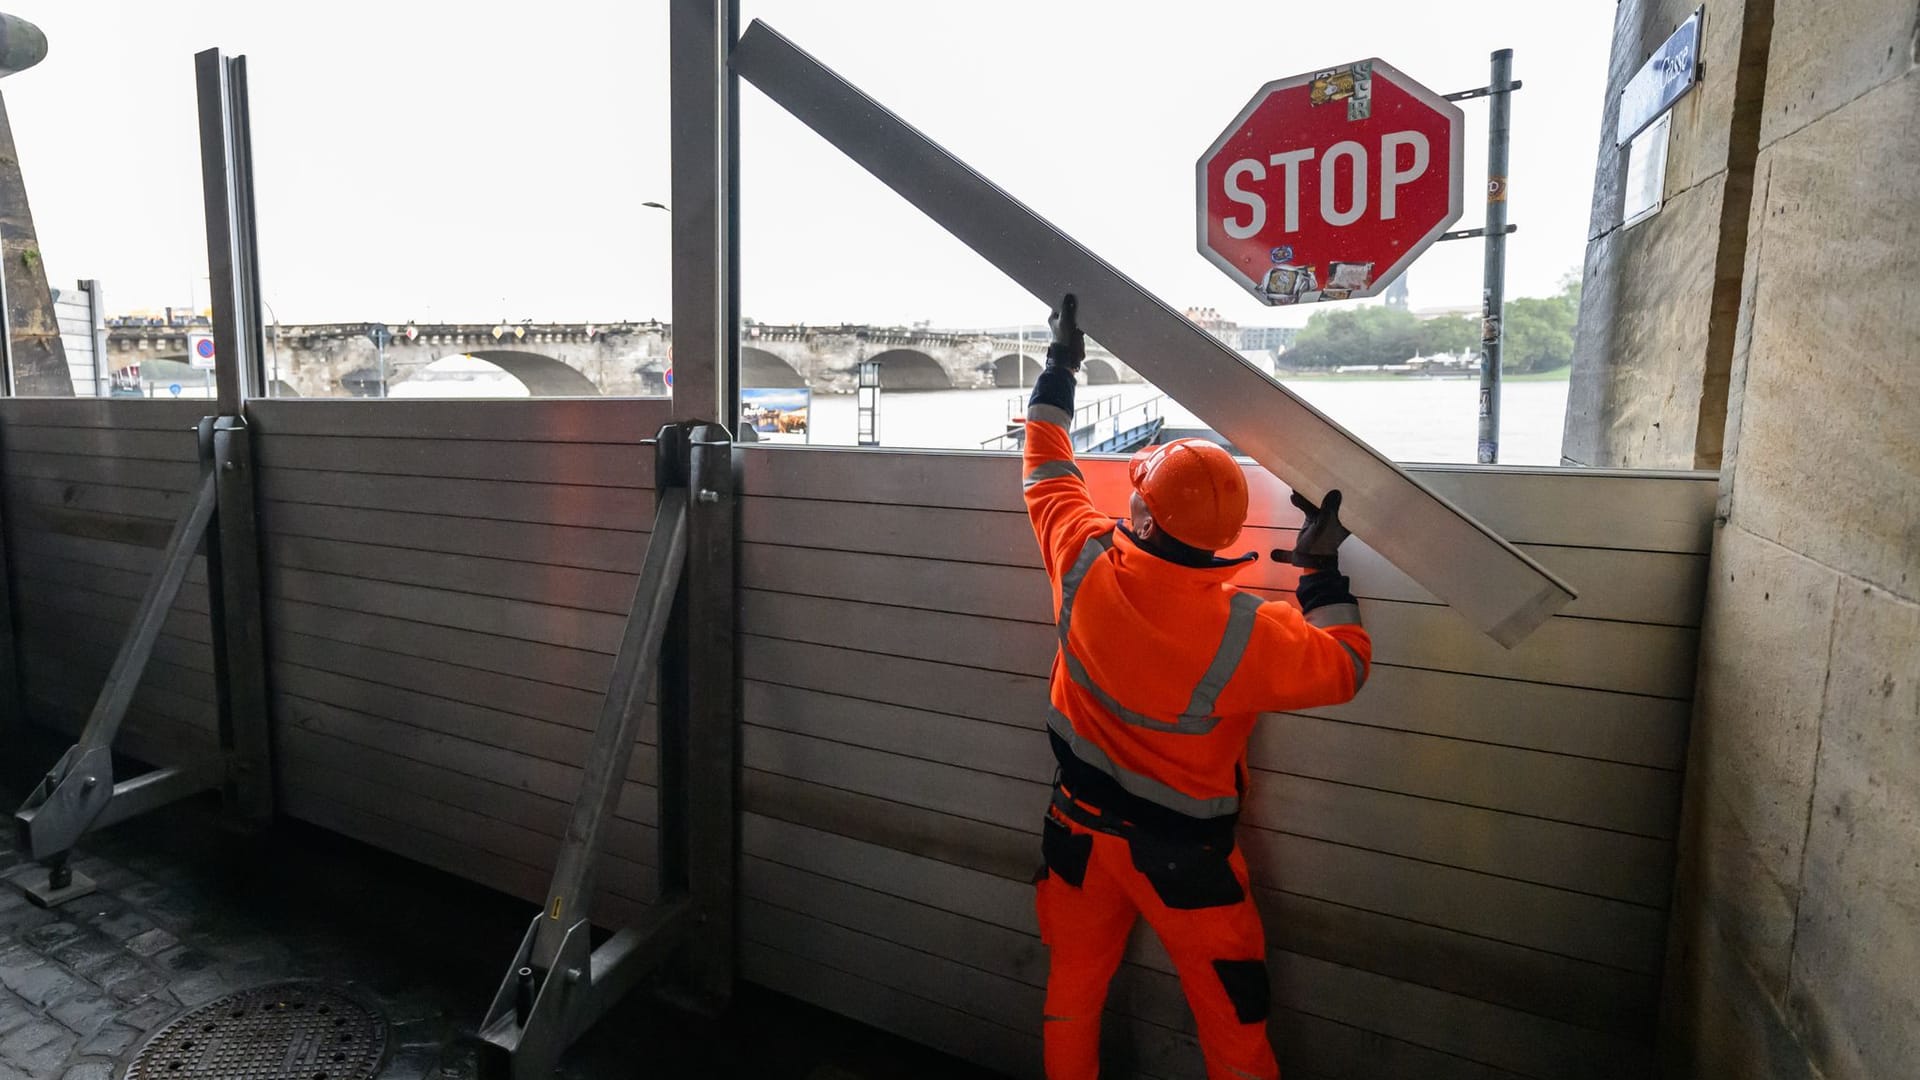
x: 1329, y: 184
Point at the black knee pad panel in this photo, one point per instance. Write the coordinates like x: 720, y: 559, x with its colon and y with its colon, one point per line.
x: 1246, y: 985
x: 1066, y: 853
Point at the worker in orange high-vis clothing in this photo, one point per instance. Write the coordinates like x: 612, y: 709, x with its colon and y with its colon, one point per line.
x: 1162, y: 669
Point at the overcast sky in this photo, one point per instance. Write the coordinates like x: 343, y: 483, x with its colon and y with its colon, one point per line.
x: 484, y: 160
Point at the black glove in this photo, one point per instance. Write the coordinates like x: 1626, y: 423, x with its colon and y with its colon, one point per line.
x: 1318, y: 545
x: 1069, y: 345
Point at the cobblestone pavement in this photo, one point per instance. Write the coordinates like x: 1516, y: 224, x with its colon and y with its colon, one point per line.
x: 187, y: 912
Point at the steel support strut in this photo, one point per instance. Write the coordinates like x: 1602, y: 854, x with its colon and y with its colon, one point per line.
x: 679, y: 629
x: 79, y: 792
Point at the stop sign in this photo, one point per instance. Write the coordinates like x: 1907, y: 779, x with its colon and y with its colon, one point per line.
x: 1328, y: 184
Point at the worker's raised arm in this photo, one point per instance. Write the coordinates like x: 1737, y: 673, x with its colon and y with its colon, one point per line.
x: 1062, y: 511
x: 1315, y: 655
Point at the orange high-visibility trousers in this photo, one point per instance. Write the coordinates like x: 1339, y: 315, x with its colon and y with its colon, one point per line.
x: 1093, y: 887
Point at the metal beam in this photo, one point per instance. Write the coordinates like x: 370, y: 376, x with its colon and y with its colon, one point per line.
x: 1496, y: 587
x: 705, y: 148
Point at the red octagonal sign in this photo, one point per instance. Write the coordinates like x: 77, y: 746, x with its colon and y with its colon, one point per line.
x: 1329, y: 184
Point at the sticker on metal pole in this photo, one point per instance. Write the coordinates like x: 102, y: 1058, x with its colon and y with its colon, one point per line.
x: 1328, y: 184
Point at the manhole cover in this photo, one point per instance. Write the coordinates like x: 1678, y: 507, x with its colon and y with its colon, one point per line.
x: 286, y: 1031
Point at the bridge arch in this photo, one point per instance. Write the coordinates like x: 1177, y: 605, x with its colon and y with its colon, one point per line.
x: 543, y: 376
x: 1100, y: 373
x: 1009, y: 371
x: 911, y: 369
x: 758, y: 367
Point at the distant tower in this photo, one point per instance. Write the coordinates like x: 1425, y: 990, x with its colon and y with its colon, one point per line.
x: 1397, y: 293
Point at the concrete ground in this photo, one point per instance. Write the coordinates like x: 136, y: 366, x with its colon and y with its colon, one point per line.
x: 187, y: 912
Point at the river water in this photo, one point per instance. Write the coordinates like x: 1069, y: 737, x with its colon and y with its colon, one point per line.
x: 1430, y: 420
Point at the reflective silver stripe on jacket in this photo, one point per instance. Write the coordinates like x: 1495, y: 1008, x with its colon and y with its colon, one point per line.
x: 1233, y: 646
x: 1359, y: 666
x: 1144, y: 786
x: 1334, y: 615
x: 1051, y: 470
x: 1050, y: 414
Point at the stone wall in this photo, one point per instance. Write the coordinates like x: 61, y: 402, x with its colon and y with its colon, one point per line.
x: 1796, y: 944
x: 1658, y: 315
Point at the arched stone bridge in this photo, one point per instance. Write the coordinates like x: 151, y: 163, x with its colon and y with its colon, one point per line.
x: 628, y: 358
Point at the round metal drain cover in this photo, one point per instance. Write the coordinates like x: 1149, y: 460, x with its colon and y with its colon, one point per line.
x: 285, y: 1031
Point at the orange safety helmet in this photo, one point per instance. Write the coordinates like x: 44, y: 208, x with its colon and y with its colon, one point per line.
x: 1194, y: 490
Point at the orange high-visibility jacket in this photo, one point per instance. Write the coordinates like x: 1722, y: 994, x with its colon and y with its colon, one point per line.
x: 1163, y: 668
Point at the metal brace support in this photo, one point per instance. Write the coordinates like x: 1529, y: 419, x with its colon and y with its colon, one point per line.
x: 680, y: 628
x: 1469, y: 234
x: 1482, y: 91
x: 79, y: 791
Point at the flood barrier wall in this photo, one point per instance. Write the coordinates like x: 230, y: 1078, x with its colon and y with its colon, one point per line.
x: 1465, y: 872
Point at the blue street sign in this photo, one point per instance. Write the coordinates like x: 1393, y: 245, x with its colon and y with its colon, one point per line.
x: 1670, y: 72
x: 174, y: 389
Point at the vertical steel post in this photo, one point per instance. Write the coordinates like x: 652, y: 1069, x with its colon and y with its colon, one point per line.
x: 712, y: 720
x: 233, y: 553
x: 97, y: 327
x: 1493, y: 296
x: 705, y: 151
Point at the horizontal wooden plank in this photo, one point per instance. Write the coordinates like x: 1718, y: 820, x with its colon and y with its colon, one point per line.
x: 539, y: 701
x: 1599, y: 724
x: 119, y: 471
x: 1593, y: 861
x: 963, y: 793
x: 1609, y: 726
x: 144, y: 445
x: 31, y: 589
x: 1629, y: 658
x: 637, y: 809
x: 1597, y: 862
x: 925, y: 557
x: 609, y: 464
x: 1011, y: 750
x: 127, y: 585
x: 572, y: 668
x: 1606, y: 795
x: 1145, y: 993
x: 493, y: 817
x: 567, y: 627
x: 1649, y: 512
x: 560, y: 586
x: 405, y: 838
x: 84, y: 665
x: 519, y: 734
x: 131, y: 414
x: 62, y: 521
x: 613, y: 420
x: 138, y: 502
x: 1610, y: 932
x: 46, y: 623
x: 1014, y: 1053
x: 613, y: 550
x: 33, y: 544
x: 627, y: 509
x: 995, y: 849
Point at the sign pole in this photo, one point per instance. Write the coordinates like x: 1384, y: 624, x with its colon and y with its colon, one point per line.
x: 1493, y: 294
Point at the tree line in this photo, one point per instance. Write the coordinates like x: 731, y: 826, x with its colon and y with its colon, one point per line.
x: 1538, y: 335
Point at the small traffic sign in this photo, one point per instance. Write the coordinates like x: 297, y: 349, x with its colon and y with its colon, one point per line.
x: 174, y: 389
x: 1328, y: 184
x: 200, y: 350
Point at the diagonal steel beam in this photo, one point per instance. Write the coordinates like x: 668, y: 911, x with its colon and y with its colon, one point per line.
x: 1486, y: 579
